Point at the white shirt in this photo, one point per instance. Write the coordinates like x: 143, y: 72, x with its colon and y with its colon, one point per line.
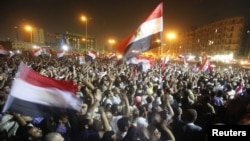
x: 113, y: 123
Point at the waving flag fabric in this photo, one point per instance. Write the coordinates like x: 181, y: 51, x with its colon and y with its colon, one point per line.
x: 36, y: 95
x: 184, y: 60
x: 93, y: 54
x: 3, y: 50
x: 36, y: 52
x: 60, y: 53
x: 146, y: 37
x: 205, y: 65
x: 239, y: 89
x: 145, y: 62
x: 164, y: 62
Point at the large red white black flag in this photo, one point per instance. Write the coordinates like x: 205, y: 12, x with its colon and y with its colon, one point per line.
x: 146, y: 36
x: 33, y: 94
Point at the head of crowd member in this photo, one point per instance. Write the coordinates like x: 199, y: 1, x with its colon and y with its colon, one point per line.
x: 190, y: 115
x: 108, y: 93
x: 32, y: 133
x: 53, y: 136
x: 109, y: 136
x: 123, y: 124
x: 115, y: 110
x: 86, y: 122
x: 142, y: 111
x: 139, y: 89
x: 137, y: 100
x: 159, y: 92
x: 83, y: 109
x: 190, y: 85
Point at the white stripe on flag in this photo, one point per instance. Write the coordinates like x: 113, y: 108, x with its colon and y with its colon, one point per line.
x: 148, y: 28
x: 2, y: 51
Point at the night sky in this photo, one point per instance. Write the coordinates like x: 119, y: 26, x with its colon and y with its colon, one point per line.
x: 111, y: 18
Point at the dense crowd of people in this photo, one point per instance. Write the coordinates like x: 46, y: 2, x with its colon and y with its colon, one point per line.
x: 120, y: 102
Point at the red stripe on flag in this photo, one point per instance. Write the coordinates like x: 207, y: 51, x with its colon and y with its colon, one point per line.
x: 34, y: 78
x: 145, y: 35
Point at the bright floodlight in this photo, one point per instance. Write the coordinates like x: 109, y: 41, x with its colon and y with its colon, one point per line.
x: 111, y: 41
x: 171, y: 35
x: 28, y: 28
x: 119, y: 56
x: 65, y: 47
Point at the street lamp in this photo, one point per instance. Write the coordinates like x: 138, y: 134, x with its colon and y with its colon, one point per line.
x: 16, y: 32
x: 158, y: 41
x: 171, y: 36
x: 111, y: 42
x: 84, y: 18
x: 29, y: 28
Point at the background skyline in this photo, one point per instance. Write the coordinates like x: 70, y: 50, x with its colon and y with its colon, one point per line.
x: 111, y: 18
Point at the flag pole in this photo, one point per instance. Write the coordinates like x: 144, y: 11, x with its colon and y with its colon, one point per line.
x: 161, y: 48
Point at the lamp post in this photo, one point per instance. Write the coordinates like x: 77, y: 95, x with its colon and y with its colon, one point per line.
x: 111, y: 42
x: 16, y: 32
x: 29, y: 28
x: 158, y: 41
x: 171, y: 36
x: 84, y: 18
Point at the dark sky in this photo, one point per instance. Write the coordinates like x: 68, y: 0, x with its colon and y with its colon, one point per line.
x: 112, y: 18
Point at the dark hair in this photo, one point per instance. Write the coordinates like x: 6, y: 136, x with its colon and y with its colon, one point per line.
x: 142, y: 110
x: 190, y: 115
x: 219, y: 93
x: 149, y: 99
x: 107, y: 136
x: 122, y: 123
x: 206, y: 98
x: 114, y: 108
x: 107, y: 92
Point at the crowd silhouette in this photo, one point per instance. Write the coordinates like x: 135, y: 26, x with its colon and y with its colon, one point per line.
x: 120, y: 102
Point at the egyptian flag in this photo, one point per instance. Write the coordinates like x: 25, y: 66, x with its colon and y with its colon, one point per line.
x: 164, y: 62
x: 184, y: 60
x: 93, y: 54
x: 60, y: 53
x: 36, y: 52
x: 36, y: 95
x: 3, y: 50
x: 145, y: 37
x: 145, y: 62
x: 205, y: 65
x: 11, y: 53
x: 111, y: 56
x: 239, y: 89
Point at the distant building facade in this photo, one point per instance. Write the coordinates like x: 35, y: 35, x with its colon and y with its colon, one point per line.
x: 226, y: 36
x: 35, y: 38
x: 79, y: 42
x: 38, y: 35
